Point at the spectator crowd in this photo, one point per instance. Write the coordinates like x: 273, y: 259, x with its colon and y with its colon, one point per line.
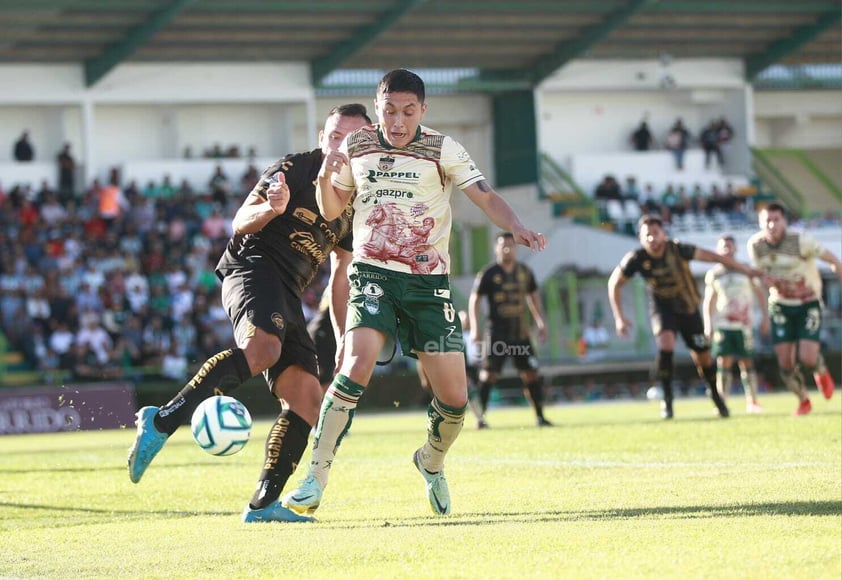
x: 118, y: 280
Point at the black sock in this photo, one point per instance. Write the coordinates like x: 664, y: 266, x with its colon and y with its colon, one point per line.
x: 485, y: 393
x: 665, y: 374
x: 285, y: 445
x: 220, y: 374
x: 536, y: 393
x: 709, y: 374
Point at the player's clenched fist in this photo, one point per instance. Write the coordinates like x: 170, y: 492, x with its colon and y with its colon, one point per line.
x: 277, y: 194
x: 333, y: 163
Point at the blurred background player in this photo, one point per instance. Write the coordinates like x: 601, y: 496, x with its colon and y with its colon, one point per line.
x: 788, y: 259
x: 729, y: 323
x: 673, y: 303
x: 263, y: 276
x: 510, y: 289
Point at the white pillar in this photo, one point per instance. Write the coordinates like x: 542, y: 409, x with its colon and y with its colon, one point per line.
x: 89, y: 167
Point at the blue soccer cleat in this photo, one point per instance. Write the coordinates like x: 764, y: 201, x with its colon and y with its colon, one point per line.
x: 148, y: 443
x: 437, y: 490
x: 306, y: 498
x: 274, y: 512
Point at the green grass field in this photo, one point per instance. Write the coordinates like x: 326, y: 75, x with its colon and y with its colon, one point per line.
x: 610, y: 492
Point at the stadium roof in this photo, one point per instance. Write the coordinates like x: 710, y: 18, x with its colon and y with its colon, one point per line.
x: 501, y: 44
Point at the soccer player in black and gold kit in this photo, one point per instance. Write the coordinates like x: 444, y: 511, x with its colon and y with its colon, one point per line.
x: 674, y: 302
x: 279, y: 242
x: 510, y: 289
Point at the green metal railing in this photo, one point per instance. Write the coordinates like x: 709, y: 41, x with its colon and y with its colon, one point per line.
x: 556, y: 184
x: 783, y: 189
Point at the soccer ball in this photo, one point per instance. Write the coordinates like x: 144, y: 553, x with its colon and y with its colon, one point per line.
x: 221, y: 425
x: 655, y: 393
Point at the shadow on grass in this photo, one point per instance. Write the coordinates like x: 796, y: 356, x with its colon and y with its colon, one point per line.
x: 794, y: 508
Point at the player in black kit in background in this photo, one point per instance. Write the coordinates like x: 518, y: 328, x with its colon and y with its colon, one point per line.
x: 673, y: 301
x: 510, y: 288
x: 279, y: 242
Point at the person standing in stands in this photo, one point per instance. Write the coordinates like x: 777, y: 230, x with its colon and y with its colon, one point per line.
x: 788, y: 258
x: 673, y: 302
x: 23, y: 150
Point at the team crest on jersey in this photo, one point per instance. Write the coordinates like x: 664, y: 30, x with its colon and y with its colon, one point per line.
x: 278, y: 321
x: 372, y: 293
x: 647, y: 265
x: 386, y: 163
x: 305, y: 215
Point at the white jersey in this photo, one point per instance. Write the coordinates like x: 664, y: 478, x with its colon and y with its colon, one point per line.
x: 402, y: 213
x: 734, y: 306
x: 793, y: 262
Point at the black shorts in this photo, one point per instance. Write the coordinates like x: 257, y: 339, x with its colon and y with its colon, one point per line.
x: 258, y: 298
x: 689, y: 326
x: 320, y: 330
x: 521, y: 351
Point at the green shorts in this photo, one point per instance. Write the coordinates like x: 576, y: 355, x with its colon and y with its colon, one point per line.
x: 794, y: 323
x: 733, y: 342
x: 414, y: 308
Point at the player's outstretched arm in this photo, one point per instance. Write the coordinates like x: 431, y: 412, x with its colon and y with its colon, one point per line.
x: 615, y: 284
x: 707, y: 256
x: 502, y: 215
x: 835, y: 263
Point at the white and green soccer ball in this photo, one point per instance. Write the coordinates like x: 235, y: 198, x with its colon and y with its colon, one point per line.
x: 221, y: 425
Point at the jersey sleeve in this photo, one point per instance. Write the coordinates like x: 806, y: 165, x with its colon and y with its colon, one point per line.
x: 347, y: 243
x: 630, y: 265
x: 531, y: 285
x: 709, y: 279
x: 481, y: 283
x: 686, y: 251
x: 810, y: 248
x: 284, y: 166
x: 458, y: 165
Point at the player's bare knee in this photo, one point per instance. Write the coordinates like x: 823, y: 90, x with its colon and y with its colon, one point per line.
x: 262, y: 351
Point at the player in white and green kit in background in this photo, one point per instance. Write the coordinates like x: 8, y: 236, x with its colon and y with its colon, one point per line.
x: 730, y: 298
x: 788, y: 259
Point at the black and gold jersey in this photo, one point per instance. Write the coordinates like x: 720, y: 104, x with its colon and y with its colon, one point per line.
x: 506, y: 293
x: 299, y: 240
x: 669, y: 279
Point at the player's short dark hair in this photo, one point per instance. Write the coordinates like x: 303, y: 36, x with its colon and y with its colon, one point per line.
x: 401, y: 80
x: 505, y: 236
x: 727, y: 238
x: 351, y: 110
x: 776, y: 206
x: 648, y: 219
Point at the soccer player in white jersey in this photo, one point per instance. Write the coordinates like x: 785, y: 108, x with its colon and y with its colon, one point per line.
x: 729, y: 323
x: 788, y: 259
x: 398, y: 175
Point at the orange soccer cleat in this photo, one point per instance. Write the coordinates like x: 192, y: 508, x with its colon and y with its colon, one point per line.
x: 804, y: 408
x: 825, y: 383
